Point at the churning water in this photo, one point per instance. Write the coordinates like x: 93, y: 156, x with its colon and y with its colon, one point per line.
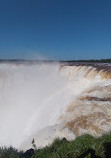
x: 44, y: 101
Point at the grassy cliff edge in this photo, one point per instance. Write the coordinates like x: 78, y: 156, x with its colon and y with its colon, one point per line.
x: 85, y: 146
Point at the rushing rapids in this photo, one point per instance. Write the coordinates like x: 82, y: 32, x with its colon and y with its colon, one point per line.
x: 42, y: 101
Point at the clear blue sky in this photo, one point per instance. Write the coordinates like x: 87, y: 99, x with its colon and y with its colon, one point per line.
x: 55, y: 29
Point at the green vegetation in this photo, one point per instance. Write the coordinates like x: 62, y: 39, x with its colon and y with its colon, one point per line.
x: 85, y: 146
x: 75, y: 149
x: 10, y: 153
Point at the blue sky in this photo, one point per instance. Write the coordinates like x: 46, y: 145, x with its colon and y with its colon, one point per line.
x: 55, y: 29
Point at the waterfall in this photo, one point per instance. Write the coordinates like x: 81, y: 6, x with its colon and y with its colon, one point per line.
x: 43, y: 101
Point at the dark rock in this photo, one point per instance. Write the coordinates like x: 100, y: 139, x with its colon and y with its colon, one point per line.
x: 64, y: 140
x: 28, y: 153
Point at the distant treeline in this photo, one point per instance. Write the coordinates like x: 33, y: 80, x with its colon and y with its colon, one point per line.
x: 91, y: 61
x: 28, y: 61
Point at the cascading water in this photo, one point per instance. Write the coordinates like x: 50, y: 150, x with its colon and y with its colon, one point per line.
x: 44, y: 101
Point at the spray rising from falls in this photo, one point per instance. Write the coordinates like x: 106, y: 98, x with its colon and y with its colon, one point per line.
x: 45, y: 101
